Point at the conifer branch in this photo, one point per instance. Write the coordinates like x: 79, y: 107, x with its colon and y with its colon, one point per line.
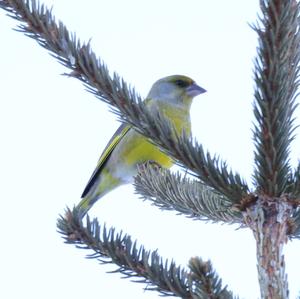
x: 39, y: 24
x: 171, y: 191
x: 203, y: 271
x: 295, y: 224
x: 276, y: 76
x: 294, y: 183
x: 277, y: 79
x: 140, y: 264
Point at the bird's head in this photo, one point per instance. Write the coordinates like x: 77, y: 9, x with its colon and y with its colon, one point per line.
x: 176, y: 89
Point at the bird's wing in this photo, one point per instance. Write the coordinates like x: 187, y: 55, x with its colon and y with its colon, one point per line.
x: 115, y: 139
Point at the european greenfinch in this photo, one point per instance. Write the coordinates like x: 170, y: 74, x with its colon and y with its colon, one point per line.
x: 117, y: 165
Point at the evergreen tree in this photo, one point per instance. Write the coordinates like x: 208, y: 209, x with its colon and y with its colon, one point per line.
x: 215, y: 193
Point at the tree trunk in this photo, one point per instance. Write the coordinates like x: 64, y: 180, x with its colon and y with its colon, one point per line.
x: 269, y: 220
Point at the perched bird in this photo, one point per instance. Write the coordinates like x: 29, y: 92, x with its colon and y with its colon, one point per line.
x: 126, y: 149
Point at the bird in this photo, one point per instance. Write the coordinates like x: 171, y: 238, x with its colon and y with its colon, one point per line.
x: 118, y: 164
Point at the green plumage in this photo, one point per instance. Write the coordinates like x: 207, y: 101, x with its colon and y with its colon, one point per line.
x: 117, y: 165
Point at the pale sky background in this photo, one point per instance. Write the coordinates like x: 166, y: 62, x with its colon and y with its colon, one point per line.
x: 52, y: 132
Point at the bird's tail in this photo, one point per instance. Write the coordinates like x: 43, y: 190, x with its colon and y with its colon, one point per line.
x: 85, y: 204
x: 97, y: 191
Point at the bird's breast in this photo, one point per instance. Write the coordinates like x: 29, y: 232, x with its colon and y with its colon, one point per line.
x: 136, y: 149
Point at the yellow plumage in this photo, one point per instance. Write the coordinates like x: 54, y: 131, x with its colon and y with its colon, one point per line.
x: 118, y: 163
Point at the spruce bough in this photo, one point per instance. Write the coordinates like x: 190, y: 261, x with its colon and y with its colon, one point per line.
x: 270, y: 208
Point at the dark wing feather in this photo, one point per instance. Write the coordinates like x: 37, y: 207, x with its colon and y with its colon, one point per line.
x: 115, y: 139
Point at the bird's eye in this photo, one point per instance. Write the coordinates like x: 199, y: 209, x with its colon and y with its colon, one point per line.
x: 181, y: 83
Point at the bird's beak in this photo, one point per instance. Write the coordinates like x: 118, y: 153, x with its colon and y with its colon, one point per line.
x: 194, y: 90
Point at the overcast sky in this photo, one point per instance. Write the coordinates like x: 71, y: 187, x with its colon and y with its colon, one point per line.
x: 52, y: 132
